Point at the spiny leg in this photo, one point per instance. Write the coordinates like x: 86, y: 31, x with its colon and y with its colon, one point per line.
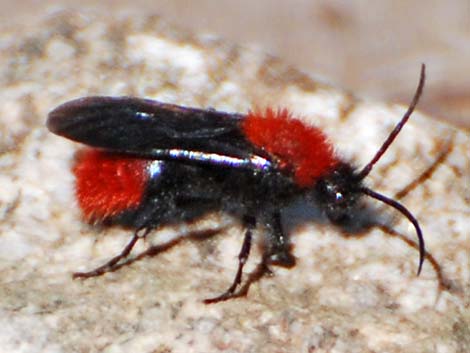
x: 259, y: 272
x: 250, y: 224
x: 110, y: 265
x: 276, y: 252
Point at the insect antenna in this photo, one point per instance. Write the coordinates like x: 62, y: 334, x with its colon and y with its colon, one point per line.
x: 404, y: 211
x: 366, y: 170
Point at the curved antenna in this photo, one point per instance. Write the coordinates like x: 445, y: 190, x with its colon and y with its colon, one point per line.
x: 366, y: 170
x: 404, y: 211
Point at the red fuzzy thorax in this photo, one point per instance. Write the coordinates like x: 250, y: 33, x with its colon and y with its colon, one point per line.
x: 108, y: 183
x: 302, y: 149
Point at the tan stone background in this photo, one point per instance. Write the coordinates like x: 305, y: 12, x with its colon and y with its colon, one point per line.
x: 347, y: 293
x: 372, y: 48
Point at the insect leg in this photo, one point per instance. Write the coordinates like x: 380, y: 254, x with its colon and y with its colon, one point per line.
x: 277, y: 245
x: 111, y: 264
x: 250, y: 224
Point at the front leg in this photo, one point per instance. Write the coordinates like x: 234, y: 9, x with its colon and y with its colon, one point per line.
x: 277, y: 248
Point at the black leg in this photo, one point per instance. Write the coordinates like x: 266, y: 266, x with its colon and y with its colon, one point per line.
x: 277, y: 246
x: 111, y: 264
x: 250, y: 224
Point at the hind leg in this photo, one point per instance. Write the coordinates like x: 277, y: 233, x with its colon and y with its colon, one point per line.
x: 112, y: 264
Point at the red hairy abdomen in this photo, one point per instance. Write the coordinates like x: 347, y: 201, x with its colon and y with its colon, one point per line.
x: 303, y: 149
x: 108, y: 183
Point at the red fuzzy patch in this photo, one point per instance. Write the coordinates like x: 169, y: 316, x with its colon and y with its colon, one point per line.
x: 108, y: 184
x: 301, y: 148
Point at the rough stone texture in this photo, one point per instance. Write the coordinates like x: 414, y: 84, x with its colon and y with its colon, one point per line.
x: 348, y: 293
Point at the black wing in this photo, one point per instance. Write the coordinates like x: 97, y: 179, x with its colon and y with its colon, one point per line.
x: 153, y: 129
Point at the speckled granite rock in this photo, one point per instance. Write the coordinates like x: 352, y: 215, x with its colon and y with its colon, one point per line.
x: 347, y: 293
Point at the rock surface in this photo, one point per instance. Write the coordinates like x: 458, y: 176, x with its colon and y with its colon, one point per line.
x: 348, y: 293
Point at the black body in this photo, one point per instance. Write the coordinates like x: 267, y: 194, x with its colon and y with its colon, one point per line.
x: 231, y: 174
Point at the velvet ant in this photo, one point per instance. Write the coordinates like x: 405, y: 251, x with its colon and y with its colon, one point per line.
x: 152, y: 164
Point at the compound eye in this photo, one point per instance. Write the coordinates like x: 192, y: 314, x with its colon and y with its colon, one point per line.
x: 339, y: 197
